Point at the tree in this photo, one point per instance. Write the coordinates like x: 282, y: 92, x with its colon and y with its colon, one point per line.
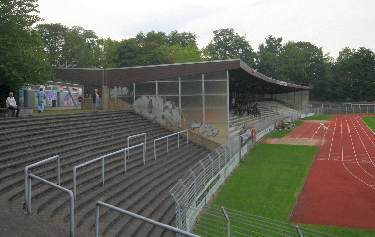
x: 355, y: 72
x: 267, y: 60
x: 302, y: 63
x: 110, y: 50
x: 53, y: 36
x: 156, y: 48
x: 81, y: 48
x: 22, y: 57
x: 227, y: 44
x: 184, y: 39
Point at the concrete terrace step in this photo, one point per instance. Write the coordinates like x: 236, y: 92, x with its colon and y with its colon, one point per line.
x: 143, y: 189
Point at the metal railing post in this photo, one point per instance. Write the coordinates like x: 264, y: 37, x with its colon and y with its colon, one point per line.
x: 187, y: 136
x: 103, y: 171
x: 299, y: 231
x: 75, y: 182
x: 144, y: 154
x: 29, y: 193
x: 154, y: 149
x: 58, y: 172
x: 26, y: 172
x: 167, y: 144
x: 72, y: 214
x: 228, y: 221
x: 125, y: 160
x: 97, y: 220
x: 178, y: 140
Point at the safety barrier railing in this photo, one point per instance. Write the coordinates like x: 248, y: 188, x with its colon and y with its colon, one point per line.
x: 222, y: 221
x: 28, y: 187
x: 205, y: 177
x: 170, y: 135
x: 102, y: 159
x: 144, y: 141
x: 136, y: 216
x: 27, y: 172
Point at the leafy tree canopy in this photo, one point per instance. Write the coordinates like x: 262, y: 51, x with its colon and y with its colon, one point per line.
x: 226, y: 44
x: 22, y: 58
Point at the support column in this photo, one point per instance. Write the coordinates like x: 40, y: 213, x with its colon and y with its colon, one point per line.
x: 133, y: 93
x: 156, y: 88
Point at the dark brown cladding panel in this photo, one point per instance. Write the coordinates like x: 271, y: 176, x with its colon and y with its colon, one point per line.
x: 87, y: 77
x: 165, y: 72
x: 126, y: 76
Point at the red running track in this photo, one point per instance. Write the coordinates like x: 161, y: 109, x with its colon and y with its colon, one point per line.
x: 340, y: 190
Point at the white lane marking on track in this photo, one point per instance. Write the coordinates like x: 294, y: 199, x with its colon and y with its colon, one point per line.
x: 334, y: 132
x: 354, y: 176
x: 360, y: 139
x: 321, y: 125
x: 354, y: 152
x: 362, y: 126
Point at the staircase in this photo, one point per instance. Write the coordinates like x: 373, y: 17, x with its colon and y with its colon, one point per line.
x: 142, y: 189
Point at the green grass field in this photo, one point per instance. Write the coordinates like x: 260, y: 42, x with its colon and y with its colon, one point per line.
x: 268, y: 182
x: 319, y: 117
x: 283, y: 133
x: 370, y: 121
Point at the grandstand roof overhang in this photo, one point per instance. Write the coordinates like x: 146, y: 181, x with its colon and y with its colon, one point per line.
x: 127, y: 75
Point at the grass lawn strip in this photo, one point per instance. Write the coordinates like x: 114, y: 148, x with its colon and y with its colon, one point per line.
x: 370, y: 121
x: 283, y: 133
x: 268, y: 183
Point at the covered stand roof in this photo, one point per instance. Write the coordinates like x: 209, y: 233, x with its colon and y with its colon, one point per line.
x: 96, y: 77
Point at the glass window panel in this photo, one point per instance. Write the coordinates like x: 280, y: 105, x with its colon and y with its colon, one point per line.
x: 145, y: 88
x: 191, y: 88
x: 191, y: 110
x: 168, y: 88
x: 215, y: 87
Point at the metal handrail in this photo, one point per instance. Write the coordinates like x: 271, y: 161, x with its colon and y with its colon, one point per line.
x: 139, y: 135
x: 71, y: 197
x: 28, y: 187
x: 102, y: 158
x: 134, y: 215
x: 170, y: 135
x: 27, y: 171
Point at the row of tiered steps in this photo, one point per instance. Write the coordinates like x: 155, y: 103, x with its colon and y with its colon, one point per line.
x: 237, y: 122
x: 143, y: 189
x: 281, y: 108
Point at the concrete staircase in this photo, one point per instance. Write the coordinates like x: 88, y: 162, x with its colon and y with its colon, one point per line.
x: 143, y: 189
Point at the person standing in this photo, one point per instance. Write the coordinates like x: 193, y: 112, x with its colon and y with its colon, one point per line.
x: 12, y: 104
x: 41, y: 97
x: 95, y: 100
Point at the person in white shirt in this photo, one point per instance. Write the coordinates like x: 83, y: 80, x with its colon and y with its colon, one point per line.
x: 12, y: 104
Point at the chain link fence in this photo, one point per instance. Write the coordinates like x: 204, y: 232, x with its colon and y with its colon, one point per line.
x: 342, y: 108
x: 223, y: 222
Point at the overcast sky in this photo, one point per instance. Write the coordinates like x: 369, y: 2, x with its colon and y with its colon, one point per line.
x: 331, y: 24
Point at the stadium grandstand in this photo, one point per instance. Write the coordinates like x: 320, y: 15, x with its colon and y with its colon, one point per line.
x: 165, y: 140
